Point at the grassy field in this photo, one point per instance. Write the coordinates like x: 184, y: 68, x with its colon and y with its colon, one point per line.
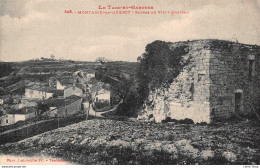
x: 107, y: 141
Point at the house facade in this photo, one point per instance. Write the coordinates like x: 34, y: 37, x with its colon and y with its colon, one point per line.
x: 38, y: 93
x: 221, y: 79
x: 14, y: 116
x: 55, y: 83
x: 103, y: 96
x: 7, y: 120
x: 64, y: 107
x: 90, y: 75
x: 73, y: 90
x: 62, y: 82
x: 25, y: 103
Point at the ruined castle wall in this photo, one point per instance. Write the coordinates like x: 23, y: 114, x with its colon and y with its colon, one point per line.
x: 205, y: 89
x: 188, y: 95
x: 229, y: 74
x: 193, y: 87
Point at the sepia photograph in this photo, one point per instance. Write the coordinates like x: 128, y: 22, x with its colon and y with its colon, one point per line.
x: 129, y: 82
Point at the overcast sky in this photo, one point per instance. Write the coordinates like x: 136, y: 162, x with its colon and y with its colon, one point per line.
x: 38, y: 28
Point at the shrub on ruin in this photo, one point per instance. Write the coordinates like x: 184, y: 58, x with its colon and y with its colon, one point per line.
x: 159, y: 65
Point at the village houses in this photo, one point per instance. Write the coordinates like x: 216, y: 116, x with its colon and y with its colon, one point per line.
x: 63, y: 97
x: 15, y: 115
x: 63, y: 107
x: 103, y: 96
x: 39, y: 92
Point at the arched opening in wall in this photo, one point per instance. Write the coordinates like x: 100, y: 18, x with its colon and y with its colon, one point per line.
x: 238, y: 101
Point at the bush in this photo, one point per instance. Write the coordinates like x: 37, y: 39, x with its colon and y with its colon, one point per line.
x: 186, y: 121
x: 202, y: 123
x: 150, y: 116
x: 100, y: 105
x: 159, y: 65
x: 169, y: 119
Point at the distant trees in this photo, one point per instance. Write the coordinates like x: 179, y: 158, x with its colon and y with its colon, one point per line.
x: 127, y: 91
x: 100, y: 72
x: 41, y: 107
x: 102, y: 60
x: 5, y: 69
x: 52, y: 57
x: 123, y: 87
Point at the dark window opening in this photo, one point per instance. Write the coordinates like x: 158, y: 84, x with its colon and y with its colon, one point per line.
x: 250, y: 72
x: 6, y: 121
x: 213, y: 112
x: 238, y: 102
x: 192, y: 90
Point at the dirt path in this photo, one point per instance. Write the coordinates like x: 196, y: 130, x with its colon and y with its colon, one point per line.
x: 100, y: 114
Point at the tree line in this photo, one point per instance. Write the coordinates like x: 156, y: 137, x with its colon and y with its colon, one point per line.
x: 157, y: 67
x: 5, y: 69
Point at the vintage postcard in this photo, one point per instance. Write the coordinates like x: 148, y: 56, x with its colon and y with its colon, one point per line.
x: 129, y: 82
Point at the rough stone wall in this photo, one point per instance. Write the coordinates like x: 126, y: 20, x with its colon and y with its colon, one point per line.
x: 229, y: 72
x: 193, y: 101
x: 217, y: 70
x: 187, y: 96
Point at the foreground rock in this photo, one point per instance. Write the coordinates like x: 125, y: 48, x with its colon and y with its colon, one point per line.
x: 103, y: 141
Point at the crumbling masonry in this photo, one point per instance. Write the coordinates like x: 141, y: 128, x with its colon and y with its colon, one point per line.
x: 222, y: 79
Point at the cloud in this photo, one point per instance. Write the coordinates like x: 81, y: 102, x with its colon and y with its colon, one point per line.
x: 209, y: 22
x: 12, y: 8
x: 43, y: 28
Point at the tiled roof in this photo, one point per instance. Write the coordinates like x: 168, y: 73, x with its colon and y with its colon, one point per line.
x: 66, y: 80
x: 25, y: 110
x: 45, y: 89
x: 57, y: 102
x: 18, y: 85
x: 73, y: 97
x: 58, y: 92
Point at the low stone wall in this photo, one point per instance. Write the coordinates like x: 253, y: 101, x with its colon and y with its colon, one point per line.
x: 37, y: 128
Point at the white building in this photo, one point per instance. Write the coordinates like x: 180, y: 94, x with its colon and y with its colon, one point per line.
x: 103, y: 96
x: 61, y: 82
x: 73, y: 90
x: 63, y: 107
x: 38, y: 93
x: 90, y: 75
x: 18, y: 115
